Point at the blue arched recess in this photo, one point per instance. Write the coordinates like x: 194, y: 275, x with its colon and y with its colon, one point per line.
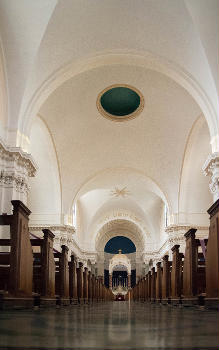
x: 120, y: 242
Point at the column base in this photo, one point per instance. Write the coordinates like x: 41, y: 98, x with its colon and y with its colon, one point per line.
x: 165, y: 301
x: 74, y: 301
x: 85, y: 301
x: 62, y: 301
x: 12, y: 303
x: 47, y: 302
x: 176, y: 301
x: 212, y: 303
x: 81, y: 301
x: 188, y: 302
x: 158, y: 301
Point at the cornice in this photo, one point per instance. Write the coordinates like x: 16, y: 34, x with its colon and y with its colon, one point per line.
x: 61, y: 228
x: 177, y: 228
x: 211, y: 162
x: 17, y: 155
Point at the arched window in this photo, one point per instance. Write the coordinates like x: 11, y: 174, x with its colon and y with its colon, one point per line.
x: 74, y: 215
x: 166, y: 216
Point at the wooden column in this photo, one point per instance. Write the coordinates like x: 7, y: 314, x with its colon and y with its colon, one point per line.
x: 149, y: 285
x: 21, y: 256
x: 90, y: 290
x: 85, y: 285
x: 146, y: 287
x: 80, y: 283
x: 64, y: 276
x: 190, y: 269
x: 166, y: 280
x: 153, y: 284
x: 97, y: 289
x: 212, y: 258
x: 159, y: 283
x: 101, y: 288
x: 48, y: 266
x: 93, y: 288
x: 176, y: 275
x: 73, y: 281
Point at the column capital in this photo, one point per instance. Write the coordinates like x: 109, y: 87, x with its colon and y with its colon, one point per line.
x: 211, y: 168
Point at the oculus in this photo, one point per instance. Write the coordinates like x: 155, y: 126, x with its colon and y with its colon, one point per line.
x: 120, y: 102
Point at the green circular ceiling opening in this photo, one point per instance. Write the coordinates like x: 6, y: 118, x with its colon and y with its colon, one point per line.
x: 120, y: 102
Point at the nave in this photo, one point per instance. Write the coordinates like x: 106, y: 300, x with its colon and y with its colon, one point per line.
x: 111, y: 325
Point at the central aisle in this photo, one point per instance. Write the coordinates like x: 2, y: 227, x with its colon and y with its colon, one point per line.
x: 114, y: 325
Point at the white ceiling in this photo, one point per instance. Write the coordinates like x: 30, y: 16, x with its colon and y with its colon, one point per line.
x: 58, y: 56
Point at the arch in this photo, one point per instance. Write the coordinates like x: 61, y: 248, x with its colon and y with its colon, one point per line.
x: 145, y: 59
x: 118, y: 260
x: 194, y: 195
x: 120, y: 228
x: 149, y: 183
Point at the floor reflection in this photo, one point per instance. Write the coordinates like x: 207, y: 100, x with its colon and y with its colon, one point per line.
x: 115, y: 325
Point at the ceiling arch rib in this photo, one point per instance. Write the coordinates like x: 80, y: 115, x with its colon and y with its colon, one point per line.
x: 138, y: 59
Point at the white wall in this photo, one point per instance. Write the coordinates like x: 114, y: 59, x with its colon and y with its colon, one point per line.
x: 45, y: 193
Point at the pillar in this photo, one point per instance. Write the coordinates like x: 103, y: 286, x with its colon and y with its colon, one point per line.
x: 153, y: 285
x: 190, y: 267
x: 48, y: 265
x: 80, y: 283
x: 90, y: 289
x: 176, y: 274
x: 73, y: 293
x: 212, y: 258
x: 64, y: 274
x: 85, y: 285
x: 166, y: 280
x: 159, y: 283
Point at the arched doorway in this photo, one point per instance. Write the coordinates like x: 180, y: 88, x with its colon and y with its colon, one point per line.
x: 119, y: 271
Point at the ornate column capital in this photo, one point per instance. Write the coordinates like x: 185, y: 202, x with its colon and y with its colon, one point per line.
x: 211, y: 168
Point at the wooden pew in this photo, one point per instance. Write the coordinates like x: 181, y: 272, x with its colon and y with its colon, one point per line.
x: 166, y: 286
x: 16, y: 272
x: 73, y: 292
x: 62, y: 277
x: 149, y: 286
x: 194, y: 276
x: 153, y: 284
x: 44, y: 269
x: 159, y: 283
x: 212, y: 258
x: 176, y: 276
x: 80, y: 284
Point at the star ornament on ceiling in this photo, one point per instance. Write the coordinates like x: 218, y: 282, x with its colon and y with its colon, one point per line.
x: 123, y: 192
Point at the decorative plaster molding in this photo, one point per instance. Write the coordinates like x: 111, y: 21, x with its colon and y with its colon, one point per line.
x: 64, y: 235
x: 176, y: 236
x: 211, y: 168
x: 19, y: 157
x: 10, y: 179
x: 176, y: 228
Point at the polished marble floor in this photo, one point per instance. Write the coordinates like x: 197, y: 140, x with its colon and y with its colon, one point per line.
x: 114, y: 325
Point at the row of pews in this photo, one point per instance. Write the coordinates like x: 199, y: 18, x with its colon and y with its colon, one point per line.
x: 191, y: 278
x: 33, y: 273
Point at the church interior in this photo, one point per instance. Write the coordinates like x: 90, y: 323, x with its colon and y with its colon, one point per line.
x: 109, y: 174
